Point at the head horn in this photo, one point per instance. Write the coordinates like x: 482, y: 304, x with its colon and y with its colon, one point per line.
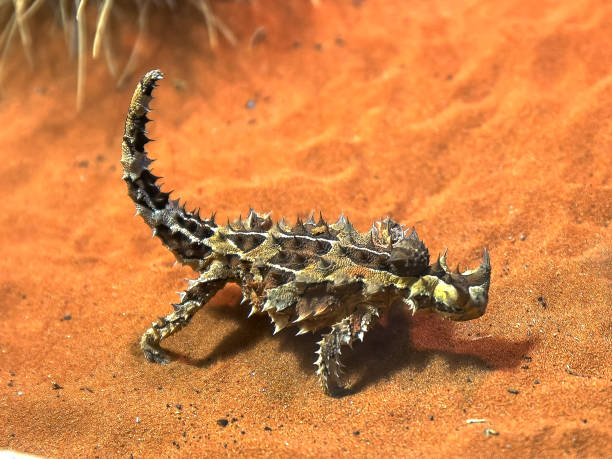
x: 482, y: 274
x: 442, y: 261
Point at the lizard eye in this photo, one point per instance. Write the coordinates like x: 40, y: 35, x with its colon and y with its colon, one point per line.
x: 456, y: 296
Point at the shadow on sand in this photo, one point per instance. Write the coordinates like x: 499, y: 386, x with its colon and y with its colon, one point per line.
x: 404, y: 342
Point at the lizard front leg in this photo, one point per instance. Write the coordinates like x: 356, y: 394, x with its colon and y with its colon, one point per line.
x: 199, y: 292
x: 344, y: 332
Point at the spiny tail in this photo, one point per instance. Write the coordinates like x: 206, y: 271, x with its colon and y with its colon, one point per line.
x: 183, y: 232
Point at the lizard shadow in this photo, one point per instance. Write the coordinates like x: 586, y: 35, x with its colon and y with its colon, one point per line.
x: 248, y: 333
x: 389, y: 349
x: 386, y: 350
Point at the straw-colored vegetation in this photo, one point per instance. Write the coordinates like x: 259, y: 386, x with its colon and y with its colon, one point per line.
x: 17, y: 22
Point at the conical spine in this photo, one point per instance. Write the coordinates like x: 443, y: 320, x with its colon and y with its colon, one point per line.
x: 181, y: 231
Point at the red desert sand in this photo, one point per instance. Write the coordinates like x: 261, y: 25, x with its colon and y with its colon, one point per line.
x: 483, y: 124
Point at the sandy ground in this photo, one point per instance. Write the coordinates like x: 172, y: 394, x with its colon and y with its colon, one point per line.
x: 484, y: 124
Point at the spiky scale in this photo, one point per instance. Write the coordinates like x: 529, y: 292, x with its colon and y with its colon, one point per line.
x: 313, y: 275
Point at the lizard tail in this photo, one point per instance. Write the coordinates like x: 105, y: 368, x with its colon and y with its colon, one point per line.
x: 183, y: 232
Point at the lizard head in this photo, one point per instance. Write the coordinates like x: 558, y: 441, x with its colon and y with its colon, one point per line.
x: 454, y: 295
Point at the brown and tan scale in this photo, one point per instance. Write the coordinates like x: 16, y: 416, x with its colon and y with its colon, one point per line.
x: 312, y: 275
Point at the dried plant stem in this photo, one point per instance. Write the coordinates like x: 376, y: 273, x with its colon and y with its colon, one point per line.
x: 64, y: 18
x: 81, y: 54
x: 213, y: 23
x: 109, y: 56
x: 32, y: 9
x: 225, y: 30
x: 23, y: 13
x: 24, y: 31
x: 101, y: 26
x: 142, y: 23
x: 7, y: 38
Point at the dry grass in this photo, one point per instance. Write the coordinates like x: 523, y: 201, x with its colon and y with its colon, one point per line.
x: 17, y: 19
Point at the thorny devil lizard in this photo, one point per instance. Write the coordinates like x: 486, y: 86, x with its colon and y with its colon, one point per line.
x: 313, y: 275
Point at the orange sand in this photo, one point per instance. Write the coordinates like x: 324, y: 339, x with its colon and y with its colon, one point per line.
x: 483, y: 123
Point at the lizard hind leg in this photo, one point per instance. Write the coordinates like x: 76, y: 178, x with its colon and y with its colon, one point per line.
x: 329, y: 368
x: 199, y: 292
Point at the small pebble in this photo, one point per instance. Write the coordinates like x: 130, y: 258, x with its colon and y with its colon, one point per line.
x: 475, y: 421
x: 222, y: 422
